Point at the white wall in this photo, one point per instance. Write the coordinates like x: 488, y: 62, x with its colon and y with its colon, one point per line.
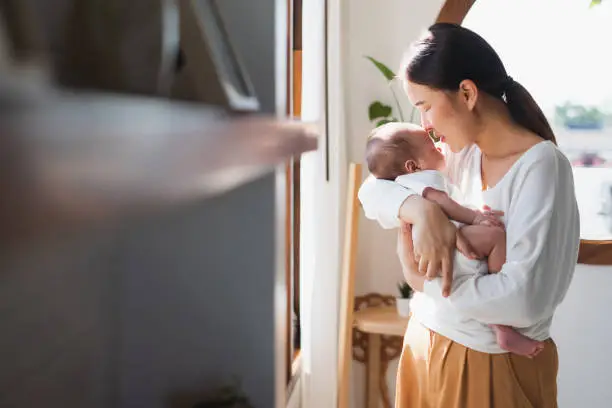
x: 583, y: 334
x: 381, y: 29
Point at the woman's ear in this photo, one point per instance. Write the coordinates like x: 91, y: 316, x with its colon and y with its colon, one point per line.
x: 411, y: 166
x: 468, y: 93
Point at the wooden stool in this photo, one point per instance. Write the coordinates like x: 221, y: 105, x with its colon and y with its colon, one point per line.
x: 377, y: 340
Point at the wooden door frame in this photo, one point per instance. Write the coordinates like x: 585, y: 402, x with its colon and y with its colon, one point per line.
x: 292, y: 193
x: 591, y: 252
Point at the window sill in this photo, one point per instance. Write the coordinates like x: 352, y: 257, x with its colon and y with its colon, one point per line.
x: 595, y: 252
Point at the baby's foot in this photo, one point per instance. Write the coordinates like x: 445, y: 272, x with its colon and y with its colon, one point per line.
x: 514, y: 342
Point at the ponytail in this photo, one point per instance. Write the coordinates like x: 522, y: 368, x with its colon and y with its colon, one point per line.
x: 526, y: 112
x: 450, y: 53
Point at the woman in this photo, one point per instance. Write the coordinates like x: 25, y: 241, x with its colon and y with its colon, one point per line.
x: 502, y: 154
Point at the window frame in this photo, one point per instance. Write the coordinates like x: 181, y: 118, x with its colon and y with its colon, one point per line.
x: 292, y: 195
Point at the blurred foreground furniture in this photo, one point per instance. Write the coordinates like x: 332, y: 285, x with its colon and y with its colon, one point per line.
x: 142, y: 255
x: 142, y: 248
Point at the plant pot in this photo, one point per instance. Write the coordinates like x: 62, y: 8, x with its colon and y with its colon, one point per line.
x: 403, y: 306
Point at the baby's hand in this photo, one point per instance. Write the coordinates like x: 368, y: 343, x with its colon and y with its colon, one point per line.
x: 487, y: 218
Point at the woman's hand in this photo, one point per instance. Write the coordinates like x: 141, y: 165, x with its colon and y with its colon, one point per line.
x: 405, y: 253
x: 410, y: 268
x: 435, y: 239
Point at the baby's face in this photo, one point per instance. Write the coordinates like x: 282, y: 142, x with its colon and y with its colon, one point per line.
x: 429, y: 157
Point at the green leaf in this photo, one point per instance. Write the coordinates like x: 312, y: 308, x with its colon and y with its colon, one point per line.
x: 384, y: 122
x: 378, y: 110
x: 404, y: 289
x: 385, y: 70
x: 595, y: 3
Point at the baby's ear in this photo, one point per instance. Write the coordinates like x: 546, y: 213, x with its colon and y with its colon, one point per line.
x: 411, y: 166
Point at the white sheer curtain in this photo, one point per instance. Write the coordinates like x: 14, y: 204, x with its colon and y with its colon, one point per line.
x: 321, y: 203
x: 313, y: 102
x: 312, y: 173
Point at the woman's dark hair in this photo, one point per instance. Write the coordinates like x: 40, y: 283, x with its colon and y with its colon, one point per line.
x: 450, y: 54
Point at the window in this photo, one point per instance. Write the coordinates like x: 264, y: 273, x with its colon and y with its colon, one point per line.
x: 560, y: 53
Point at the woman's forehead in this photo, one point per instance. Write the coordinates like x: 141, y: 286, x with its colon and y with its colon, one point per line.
x: 417, y: 93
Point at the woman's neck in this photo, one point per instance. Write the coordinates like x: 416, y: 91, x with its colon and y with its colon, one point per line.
x: 499, y: 136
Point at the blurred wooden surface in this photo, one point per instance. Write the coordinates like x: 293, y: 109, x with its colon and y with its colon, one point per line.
x: 454, y: 11
x: 595, y: 252
x: 73, y: 158
x: 378, y: 340
x: 381, y: 320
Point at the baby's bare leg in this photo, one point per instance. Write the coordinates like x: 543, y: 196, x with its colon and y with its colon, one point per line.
x: 490, y: 242
x: 511, y: 340
x: 487, y: 242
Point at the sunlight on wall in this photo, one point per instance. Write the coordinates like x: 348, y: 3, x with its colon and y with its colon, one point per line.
x: 560, y: 52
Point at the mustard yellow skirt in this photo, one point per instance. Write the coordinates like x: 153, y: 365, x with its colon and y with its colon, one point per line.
x: 436, y: 372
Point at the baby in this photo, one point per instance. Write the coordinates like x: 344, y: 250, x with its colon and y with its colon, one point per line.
x: 404, y: 153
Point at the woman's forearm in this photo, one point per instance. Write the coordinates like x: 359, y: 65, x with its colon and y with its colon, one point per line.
x: 500, y: 298
x: 414, y: 279
x: 405, y: 253
x: 416, y: 209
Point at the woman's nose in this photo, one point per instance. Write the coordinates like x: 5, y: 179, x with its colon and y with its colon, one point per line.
x: 426, y: 124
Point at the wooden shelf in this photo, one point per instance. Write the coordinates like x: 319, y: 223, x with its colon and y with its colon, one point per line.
x: 380, y: 320
x: 69, y: 159
x: 595, y: 252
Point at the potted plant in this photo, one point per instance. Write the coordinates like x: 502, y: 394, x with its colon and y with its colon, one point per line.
x: 402, y: 302
x: 379, y: 112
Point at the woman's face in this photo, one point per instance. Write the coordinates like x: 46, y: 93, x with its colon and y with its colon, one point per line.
x: 444, y: 112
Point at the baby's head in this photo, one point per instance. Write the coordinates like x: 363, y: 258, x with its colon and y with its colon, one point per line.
x: 396, y: 148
